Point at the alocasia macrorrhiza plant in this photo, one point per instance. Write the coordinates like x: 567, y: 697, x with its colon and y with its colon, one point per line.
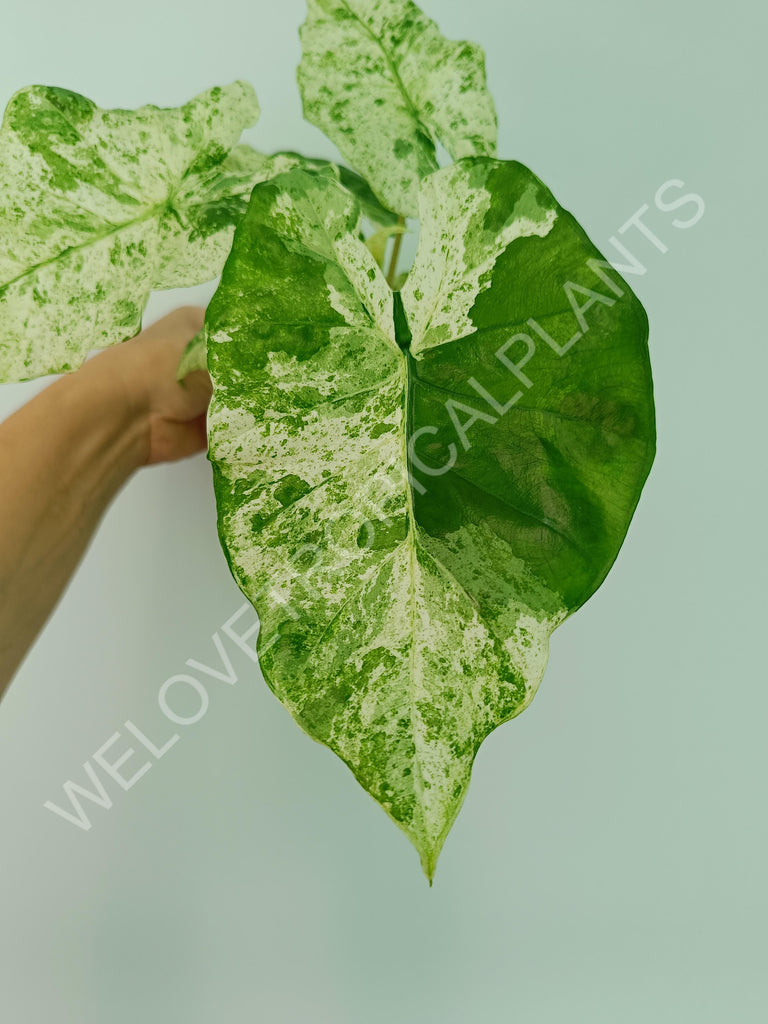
x: 415, y: 484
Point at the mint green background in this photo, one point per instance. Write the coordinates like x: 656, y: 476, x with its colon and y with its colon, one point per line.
x: 609, y: 863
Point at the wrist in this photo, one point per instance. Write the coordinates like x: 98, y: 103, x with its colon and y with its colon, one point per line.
x: 111, y: 381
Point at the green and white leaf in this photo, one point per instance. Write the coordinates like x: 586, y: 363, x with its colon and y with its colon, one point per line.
x: 250, y: 166
x: 98, y: 207
x: 351, y: 180
x: 406, y: 607
x: 384, y: 85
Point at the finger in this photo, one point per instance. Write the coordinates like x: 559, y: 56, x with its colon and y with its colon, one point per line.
x: 173, y: 441
x: 180, y: 324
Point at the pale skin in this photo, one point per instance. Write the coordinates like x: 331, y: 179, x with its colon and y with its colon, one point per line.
x: 66, y: 454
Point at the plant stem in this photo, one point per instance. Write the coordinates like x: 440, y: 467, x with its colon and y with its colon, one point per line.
x: 395, y: 254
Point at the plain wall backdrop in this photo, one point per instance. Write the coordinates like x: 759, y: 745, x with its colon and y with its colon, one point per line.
x: 609, y: 861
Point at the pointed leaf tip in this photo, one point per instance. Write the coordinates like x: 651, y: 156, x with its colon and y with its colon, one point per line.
x: 384, y: 85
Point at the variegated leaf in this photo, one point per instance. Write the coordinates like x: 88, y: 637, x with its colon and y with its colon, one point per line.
x: 369, y: 205
x: 384, y: 85
x: 97, y: 207
x: 415, y: 489
x: 254, y: 167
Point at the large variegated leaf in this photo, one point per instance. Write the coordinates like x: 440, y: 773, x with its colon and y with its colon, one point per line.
x: 414, y: 490
x: 97, y: 207
x: 384, y: 85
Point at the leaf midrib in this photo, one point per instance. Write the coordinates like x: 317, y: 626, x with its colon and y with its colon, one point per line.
x: 93, y: 240
x: 411, y: 540
x: 392, y: 67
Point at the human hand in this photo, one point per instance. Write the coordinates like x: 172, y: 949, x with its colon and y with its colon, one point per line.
x: 144, y: 370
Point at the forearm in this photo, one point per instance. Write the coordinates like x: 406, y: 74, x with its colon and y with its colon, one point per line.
x: 67, y: 453
x: 62, y: 459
